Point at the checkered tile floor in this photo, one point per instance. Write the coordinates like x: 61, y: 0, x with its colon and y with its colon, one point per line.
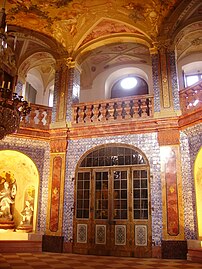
x: 73, y: 261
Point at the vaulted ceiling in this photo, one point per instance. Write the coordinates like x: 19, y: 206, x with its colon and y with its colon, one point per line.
x: 100, y: 33
x: 74, y: 23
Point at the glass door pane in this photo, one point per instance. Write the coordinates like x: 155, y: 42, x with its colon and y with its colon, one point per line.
x: 140, y: 194
x: 120, y: 195
x: 83, y: 195
x: 101, y: 195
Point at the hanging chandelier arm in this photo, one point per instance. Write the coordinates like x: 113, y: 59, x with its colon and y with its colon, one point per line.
x: 4, y: 4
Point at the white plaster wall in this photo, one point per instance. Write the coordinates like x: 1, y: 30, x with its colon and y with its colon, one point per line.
x: 181, y: 65
x: 101, y: 86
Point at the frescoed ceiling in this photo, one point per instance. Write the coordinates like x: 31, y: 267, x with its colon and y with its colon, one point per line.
x: 69, y: 21
x: 118, y: 32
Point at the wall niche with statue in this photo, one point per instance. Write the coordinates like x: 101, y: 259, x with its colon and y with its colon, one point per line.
x: 19, y: 184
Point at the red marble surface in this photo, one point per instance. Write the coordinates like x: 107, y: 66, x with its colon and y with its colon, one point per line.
x: 172, y: 197
x: 55, y: 194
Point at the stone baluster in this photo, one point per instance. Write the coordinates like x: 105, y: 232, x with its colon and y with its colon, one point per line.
x: 88, y: 112
x: 119, y: 110
x: 95, y: 111
x: 125, y: 109
x: 100, y: 113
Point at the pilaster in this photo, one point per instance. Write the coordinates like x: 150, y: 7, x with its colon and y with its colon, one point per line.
x: 165, y: 84
x: 171, y: 179
x: 58, y: 145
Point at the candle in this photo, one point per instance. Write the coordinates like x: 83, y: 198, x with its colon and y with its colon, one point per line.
x: 9, y: 85
x: 3, y: 82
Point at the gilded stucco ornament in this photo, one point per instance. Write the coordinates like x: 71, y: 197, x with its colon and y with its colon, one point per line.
x: 196, y: 42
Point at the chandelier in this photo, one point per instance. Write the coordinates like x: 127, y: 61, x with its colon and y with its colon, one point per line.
x: 12, y: 106
x: 3, y: 30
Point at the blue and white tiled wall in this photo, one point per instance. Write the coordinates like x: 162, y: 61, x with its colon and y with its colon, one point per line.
x: 147, y: 143
x: 191, y: 142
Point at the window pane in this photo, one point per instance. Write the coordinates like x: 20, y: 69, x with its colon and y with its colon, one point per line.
x: 140, y: 194
x: 191, y: 80
x: 83, y: 193
x: 101, y: 195
x: 110, y: 156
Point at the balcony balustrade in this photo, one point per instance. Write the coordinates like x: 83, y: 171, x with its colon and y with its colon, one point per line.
x: 191, y: 98
x: 114, y: 110
x: 132, y: 108
x: 39, y: 117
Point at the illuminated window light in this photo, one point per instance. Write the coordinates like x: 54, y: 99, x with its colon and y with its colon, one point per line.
x: 195, y: 102
x: 128, y: 83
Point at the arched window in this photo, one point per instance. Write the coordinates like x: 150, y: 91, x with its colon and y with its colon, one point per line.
x: 129, y: 86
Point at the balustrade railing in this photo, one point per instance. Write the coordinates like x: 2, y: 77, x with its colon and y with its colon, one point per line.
x: 191, y: 98
x: 39, y: 117
x: 119, y: 109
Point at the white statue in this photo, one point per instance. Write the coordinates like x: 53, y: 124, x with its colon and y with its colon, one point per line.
x: 6, y: 199
x: 27, y: 213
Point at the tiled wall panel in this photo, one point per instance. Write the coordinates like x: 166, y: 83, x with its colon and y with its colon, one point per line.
x: 191, y: 142
x: 147, y: 143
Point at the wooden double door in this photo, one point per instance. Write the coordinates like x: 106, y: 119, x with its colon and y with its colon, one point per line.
x: 112, y: 213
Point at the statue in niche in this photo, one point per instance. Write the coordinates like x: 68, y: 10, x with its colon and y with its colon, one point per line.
x: 8, y: 192
x: 27, y: 213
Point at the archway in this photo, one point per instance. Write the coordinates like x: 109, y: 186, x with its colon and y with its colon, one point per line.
x: 198, y: 188
x: 20, y: 175
x: 112, y: 214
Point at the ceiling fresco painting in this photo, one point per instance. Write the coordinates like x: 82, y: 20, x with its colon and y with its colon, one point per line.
x: 98, y: 34
x: 65, y: 18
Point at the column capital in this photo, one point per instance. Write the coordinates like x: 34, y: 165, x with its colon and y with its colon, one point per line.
x: 161, y: 46
x: 71, y: 63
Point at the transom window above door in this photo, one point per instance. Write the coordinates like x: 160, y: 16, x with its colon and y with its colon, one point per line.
x: 111, y: 156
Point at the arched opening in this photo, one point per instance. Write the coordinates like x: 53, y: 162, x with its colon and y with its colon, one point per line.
x: 19, y: 184
x: 129, y: 86
x: 198, y: 188
x: 112, y: 190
